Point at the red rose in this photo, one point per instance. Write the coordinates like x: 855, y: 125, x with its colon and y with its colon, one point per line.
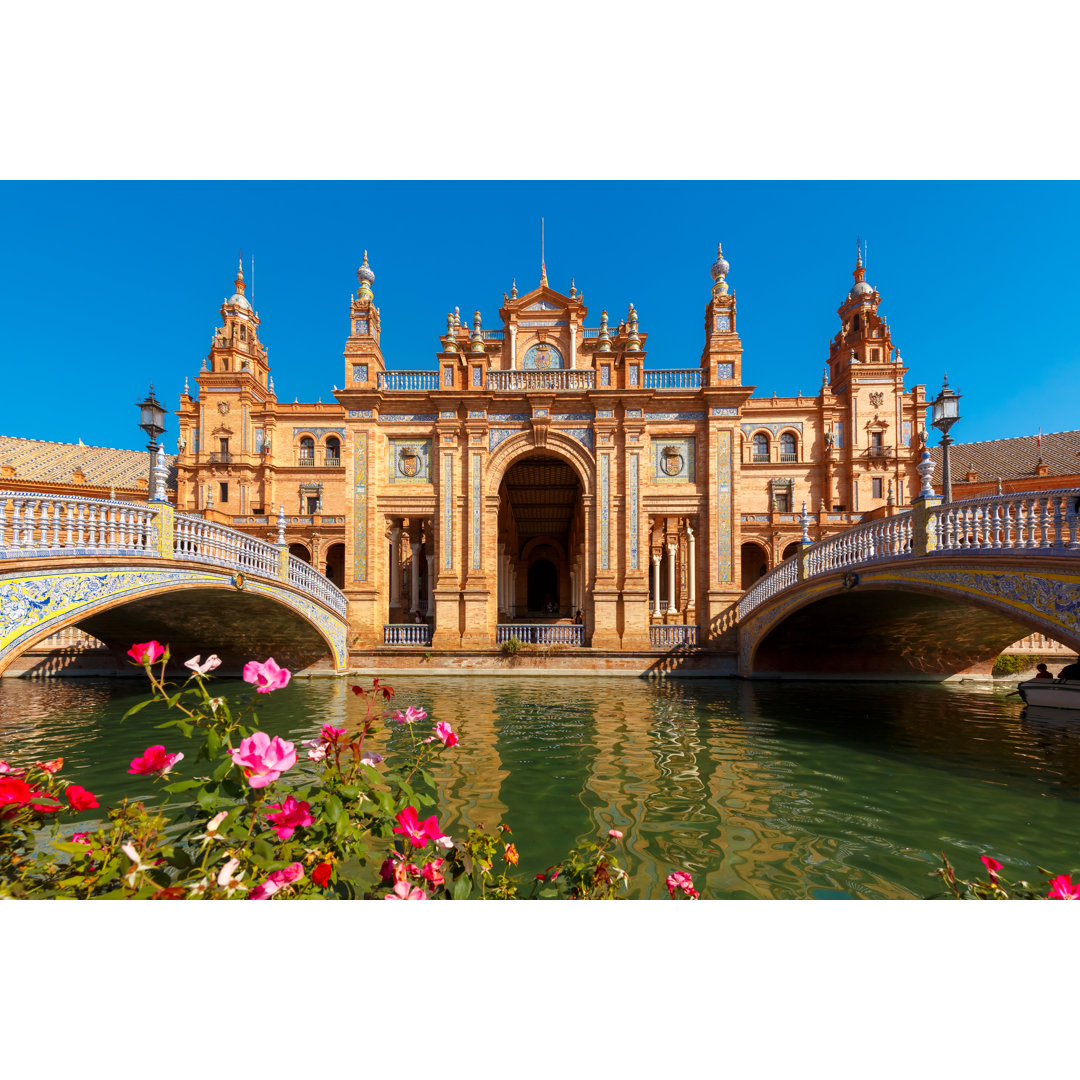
x: 321, y: 874
x: 14, y: 790
x: 81, y: 799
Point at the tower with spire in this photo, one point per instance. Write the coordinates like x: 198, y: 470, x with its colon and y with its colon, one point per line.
x: 721, y: 358
x: 363, y: 353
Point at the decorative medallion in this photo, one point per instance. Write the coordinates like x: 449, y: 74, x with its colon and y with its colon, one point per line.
x: 223, y: 407
x: 671, y: 461
x: 410, y: 460
x: 543, y: 356
x: 877, y: 398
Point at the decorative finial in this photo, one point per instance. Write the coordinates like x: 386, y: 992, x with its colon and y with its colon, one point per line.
x: 513, y: 289
x: 281, y: 525
x: 858, y: 252
x: 825, y: 376
x: 573, y: 289
x: 271, y: 387
x: 719, y: 273
x: 366, y: 276
x: 891, y: 500
x: 476, y: 342
x: 603, y: 342
x: 457, y: 318
x: 187, y: 393
x: 805, y: 524
x: 633, y: 342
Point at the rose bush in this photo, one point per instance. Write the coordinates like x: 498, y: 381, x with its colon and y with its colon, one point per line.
x: 998, y: 887
x: 246, y: 820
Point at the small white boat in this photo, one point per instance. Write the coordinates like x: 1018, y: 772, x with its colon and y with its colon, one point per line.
x: 1049, y: 694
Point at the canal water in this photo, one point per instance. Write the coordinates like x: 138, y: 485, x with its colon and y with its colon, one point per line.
x: 760, y: 790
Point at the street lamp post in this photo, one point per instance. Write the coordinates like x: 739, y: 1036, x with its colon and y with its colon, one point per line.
x: 945, y: 413
x: 152, y: 421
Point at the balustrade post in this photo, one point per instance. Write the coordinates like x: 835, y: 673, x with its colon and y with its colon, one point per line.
x: 924, y: 520
x: 656, y: 584
x: 282, y: 547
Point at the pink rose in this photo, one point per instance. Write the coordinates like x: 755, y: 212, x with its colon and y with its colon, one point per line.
x: 331, y: 733
x: 614, y: 834
x: 149, y: 652
x: 992, y: 866
x: 1062, y: 888
x: 404, y: 891
x: 420, y: 833
x: 266, y: 676
x: 264, y: 759
x: 154, y: 760
x: 291, y: 816
x: 212, y: 662
x: 79, y: 798
x: 445, y: 735
x: 410, y: 715
x: 682, y: 880
x: 432, y: 872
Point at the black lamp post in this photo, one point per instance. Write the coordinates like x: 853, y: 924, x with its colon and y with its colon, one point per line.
x: 945, y: 413
x: 152, y: 421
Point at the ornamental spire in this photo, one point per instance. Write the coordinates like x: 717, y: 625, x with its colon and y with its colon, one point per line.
x: 239, y: 282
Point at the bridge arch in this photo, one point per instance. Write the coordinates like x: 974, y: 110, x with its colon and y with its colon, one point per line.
x: 197, y: 610
x: 927, y: 618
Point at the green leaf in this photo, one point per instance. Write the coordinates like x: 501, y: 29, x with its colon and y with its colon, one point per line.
x: 208, y: 798
x: 182, y: 785
x: 223, y: 769
x: 462, y: 888
x: 70, y: 848
x: 135, y: 708
x: 333, y: 809
x: 213, y: 742
x: 263, y: 851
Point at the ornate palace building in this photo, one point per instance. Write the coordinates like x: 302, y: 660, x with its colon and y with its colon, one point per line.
x: 542, y: 468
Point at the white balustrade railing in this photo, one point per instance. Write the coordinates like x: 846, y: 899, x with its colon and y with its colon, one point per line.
x: 541, y: 633
x: 560, y: 379
x: 34, y: 525
x: 408, y: 380
x: 49, y: 526
x: 406, y: 634
x: 1046, y: 522
x: 667, y: 637
x: 675, y: 379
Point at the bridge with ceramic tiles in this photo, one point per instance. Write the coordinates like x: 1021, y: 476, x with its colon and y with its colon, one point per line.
x: 128, y: 572
x: 937, y: 591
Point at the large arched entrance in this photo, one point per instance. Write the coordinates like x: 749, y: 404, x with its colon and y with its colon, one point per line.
x: 755, y: 563
x: 541, y: 540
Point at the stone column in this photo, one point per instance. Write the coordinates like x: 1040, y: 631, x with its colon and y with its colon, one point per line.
x: 672, y: 598
x: 691, y: 570
x: 395, y: 566
x: 414, y: 576
x: 430, y: 586
x: 573, y: 346
x: 656, y: 583
x: 500, y: 579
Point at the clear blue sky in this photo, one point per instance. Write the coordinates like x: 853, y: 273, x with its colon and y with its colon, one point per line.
x: 107, y: 286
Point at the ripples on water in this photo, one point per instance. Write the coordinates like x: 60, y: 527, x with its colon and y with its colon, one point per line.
x: 761, y: 790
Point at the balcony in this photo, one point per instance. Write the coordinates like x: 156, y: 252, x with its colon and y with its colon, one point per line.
x: 409, y: 380
x: 322, y: 459
x: 878, y: 451
x: 563, y: 379
x: 676, y: 379
x: 669, y: 637
x: 406, y: 634
x: 221, y: 457
x: 788, y: 457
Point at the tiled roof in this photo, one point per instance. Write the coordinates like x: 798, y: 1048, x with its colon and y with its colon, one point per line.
x: 1012, y: 459
x: 55, y: 463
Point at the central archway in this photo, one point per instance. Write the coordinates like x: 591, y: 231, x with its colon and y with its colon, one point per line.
x: 542, y: 536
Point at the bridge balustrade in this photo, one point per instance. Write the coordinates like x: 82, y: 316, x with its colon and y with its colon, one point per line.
x: 666, y: 637
x: 50, y: 526
x: 406, y: 634
x: 541, y: 633
x: 41, y: 526
x: 196, y: 540
x: 1026, y: 521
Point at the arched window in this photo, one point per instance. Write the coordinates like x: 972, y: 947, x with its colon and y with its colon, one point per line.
x: 761, y: 447
x: 307, y: 450
x: 788, y: 447
x: 333, y: 451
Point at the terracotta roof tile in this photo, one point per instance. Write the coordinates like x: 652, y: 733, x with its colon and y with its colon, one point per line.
x: 55, y: 463
x: 1014, y: 459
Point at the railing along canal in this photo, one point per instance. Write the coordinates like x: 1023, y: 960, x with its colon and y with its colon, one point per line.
x: 667, y: 637
x: 52, y: 526
x: 406, y: 634
x: 1045, y: 522
x: 541, y: 633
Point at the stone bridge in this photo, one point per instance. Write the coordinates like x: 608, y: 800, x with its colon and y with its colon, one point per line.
x: 128, y: 572
x: 934, y: 592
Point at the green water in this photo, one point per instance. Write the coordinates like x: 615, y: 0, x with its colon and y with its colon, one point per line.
x: 761, y: 790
